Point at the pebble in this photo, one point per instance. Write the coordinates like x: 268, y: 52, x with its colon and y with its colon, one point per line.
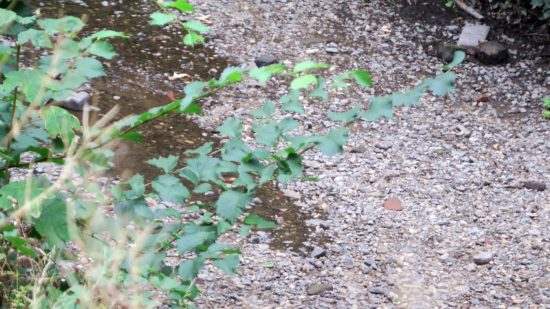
x: 483, y: 258
x: 318, y: 288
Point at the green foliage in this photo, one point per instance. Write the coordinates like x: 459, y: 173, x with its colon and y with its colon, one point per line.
x: 546, y: 106
x: 128, y: 247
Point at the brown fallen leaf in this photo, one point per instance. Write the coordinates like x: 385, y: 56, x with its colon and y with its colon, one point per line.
x: 393, y: 203
x: 483, y: 98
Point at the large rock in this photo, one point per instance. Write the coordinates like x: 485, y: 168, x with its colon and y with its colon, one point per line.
x: 76, y: 101
x: 472, y: 35
x: 265, y: 60
x: 492, y: 53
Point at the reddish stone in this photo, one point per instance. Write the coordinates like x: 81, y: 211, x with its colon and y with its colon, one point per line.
x: 393, y: 203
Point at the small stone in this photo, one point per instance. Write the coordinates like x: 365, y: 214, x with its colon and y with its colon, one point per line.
x: 116, y: 98
x: 492, y: 53
x: 393, y: 203
x: 483, y: 258
x: 377, y: 291
x: 471, y: 267
x: 318, y: 252
x: 534, y: 185
x: 318, y: 288
x: 265, y: 60
x: 359, y: 149
x: 332, y: 50
x: 291, y: 194
x: 472, y: 34
x: 446, y: 51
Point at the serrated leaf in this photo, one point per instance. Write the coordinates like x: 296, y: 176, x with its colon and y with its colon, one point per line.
x: 132, y: 136
x: 231, y: 75
x: 66, y: 24
x: 303, y: 81
x: 39, y: 39
x: 291, y: 102
x: 105, y: 34
x: 192, y: 39
x: 192, y: 91
x: 333, y: 142
x: 267, y: 174
x: 189, y: 269
x: 235, y: 150
x: 230, y: 204
x: 290, y: 168
x: 167, y: 164
x: 191, y: 175
x: 7, y: 17
x: 228, y: 264
x: 309, y: 65
x: 263, y: 74
x: 203, y: 188
x: 16, y: 194
x: 190, y: 242
x: 379, y: 107
x: 231, y: 127
x: 52, y: 223
x: 202, y: 150
x: 362, y: 77
x: 160, y: 19
x: 59, y: 122
x: 259, y: 222
x: 265, y: 111
x: 320, y: 92
x: 345, y: 117
x: 102, y: 49
x: 195, y: 25
x: 170, y: 189
x: 443, y: 84
x: 181, y: 5
x: 137, y: 185
x: 339, y: 81
x: 90, y: 67
x: 411, y: 97
x: 458, y: 57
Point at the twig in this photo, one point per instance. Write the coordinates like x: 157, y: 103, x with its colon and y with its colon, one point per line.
x: 468, y: 9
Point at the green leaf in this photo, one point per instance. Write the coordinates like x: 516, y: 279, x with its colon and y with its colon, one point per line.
x: 203, y: 188
x: 309, y: 65
x: 235, y: 150
x: 443, y: 84
x: 202, y: 150
x: 189, y: 269
x: 132, y: 136
x: 228, y: 264
x: 303, y: 81
x: 259, y: 222
x: 231, y: 127
x: 267, y: 174
x: 53, y: 222
x: 102, y: 49
x: 458, y: 57
x: 203, y: 166
x: 90, y: 67
x: 339, y: 81
x: 181, y: 5
x: 39, y: 39
x: 320, y: 92
x: 167, y: 164
x: 345, y: 117
x: 411, y: 97
x: 231, y: 204
x: 105, y: 34
x: 66, y: 24
x: 137, y: 185
x: 230, y: 75
x: 160, y: 19
x: 192, y: 39
x: 19, y: 243
x: 192, y: 91
x: 379, y: 107
x: 263, y: 74
x: 362, y: 77
x: 16, y: 194
x: 170, y: 189
x: 190, y: 242
x: 265, y: 111
x: 7, y: 17
x: 290, y: 168
x: 191, y: 175
x: 291, y: 102
x: 195, y: 25
x: 60, y: 122
x: 333, y: 142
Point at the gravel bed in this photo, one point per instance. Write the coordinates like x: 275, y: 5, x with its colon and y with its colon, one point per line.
x: 471, y: 233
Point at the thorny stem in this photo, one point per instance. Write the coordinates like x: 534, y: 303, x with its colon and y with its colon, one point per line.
x: 12, y: 113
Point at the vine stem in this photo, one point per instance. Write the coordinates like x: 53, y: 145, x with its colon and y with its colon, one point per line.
x: 12, y: 113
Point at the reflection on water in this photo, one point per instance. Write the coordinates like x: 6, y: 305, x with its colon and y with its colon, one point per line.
x: 139, y: 78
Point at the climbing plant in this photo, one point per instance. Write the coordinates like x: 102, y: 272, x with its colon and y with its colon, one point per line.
x: 72, y: 241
